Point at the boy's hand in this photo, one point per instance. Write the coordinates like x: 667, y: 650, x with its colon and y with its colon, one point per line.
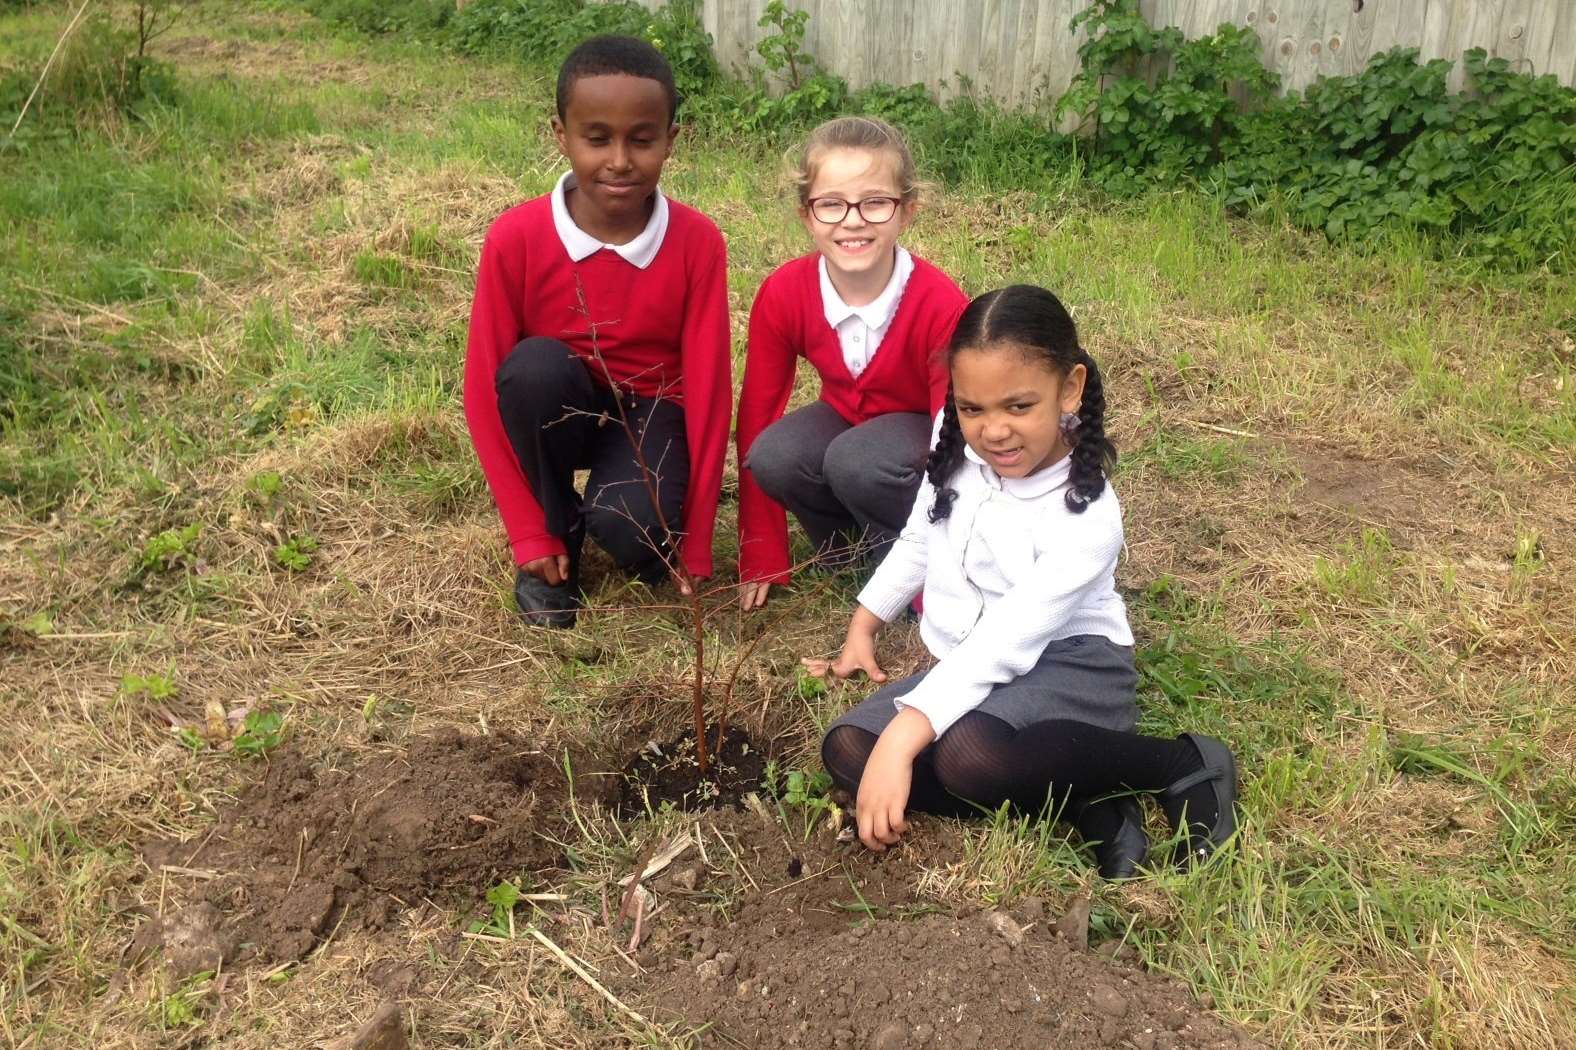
x: 753, y: 594
x: 551, y: 570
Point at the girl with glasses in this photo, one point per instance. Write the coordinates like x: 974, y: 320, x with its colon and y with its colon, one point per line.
x: 872, y: 320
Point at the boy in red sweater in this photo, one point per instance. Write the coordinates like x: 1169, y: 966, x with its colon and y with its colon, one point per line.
x: 872, y: 320
x: 600, y: 301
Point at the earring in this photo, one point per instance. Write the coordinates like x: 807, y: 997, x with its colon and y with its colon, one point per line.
x: 1070, y: 422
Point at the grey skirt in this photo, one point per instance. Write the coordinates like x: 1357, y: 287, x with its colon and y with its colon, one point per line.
x: 1086, y: 678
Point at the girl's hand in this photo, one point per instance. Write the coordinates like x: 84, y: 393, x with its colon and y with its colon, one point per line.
x: 859, y: 650
x: 551, y: 570
x: 888, y: 777
x: 752, y: 595
x: 883, y: 797
x: 859, y: 654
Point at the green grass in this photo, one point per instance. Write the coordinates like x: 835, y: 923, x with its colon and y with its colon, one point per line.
x: 243, y: 309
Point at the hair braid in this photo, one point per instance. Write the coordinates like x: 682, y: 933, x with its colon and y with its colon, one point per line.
x: 944, y: 460
x: 1093, y: 455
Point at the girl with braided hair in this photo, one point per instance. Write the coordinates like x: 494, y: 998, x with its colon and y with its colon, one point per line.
x: 1014, y: 540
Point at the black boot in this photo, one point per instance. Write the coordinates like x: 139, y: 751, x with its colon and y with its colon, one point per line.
x: 1212, y: 790
x: 1116, y: 827
x: 544, y: 605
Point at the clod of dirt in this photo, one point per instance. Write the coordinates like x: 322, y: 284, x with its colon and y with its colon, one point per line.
x: 1073, y: 927
x: 1006, y: 927
x: 193, y: 941
x: 309, y: 850
x: 384, y: 1030
x: 670, y: 772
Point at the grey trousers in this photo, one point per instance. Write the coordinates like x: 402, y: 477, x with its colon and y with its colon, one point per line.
x: 851, y: 487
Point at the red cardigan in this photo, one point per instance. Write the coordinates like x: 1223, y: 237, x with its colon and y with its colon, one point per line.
x: 662, y: 331
x: 788, y: 321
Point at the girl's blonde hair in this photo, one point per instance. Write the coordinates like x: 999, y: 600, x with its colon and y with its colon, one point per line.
x: 867, y: 133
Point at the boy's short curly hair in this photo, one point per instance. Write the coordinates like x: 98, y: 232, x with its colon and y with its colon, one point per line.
x: 609, y: 55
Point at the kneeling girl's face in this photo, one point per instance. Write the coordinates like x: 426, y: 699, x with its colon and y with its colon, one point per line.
x: 1010, y: 401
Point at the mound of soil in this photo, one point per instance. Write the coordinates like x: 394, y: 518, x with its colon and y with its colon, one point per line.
x: 309, y: 850
x: 670, y: 772
x: 834, y: 949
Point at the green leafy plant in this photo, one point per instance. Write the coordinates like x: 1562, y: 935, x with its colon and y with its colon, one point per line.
x: 260, y: 733
x: 810, y: 686
x: 170, y: 549
x: 179, y: 1009
x: 153, y: 686
x: 1492, y: 170
x: 296, y: 553
x: 1149, y: 126
x: 809, y: 793
x: 500, y: 923
x: 810, y: 94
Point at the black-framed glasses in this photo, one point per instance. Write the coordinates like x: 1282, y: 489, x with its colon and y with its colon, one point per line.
x: 833, y: 210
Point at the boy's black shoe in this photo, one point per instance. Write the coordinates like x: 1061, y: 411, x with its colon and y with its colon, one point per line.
x: 1127, y: 846
x: 1219, y: 773
x: 545, y: 605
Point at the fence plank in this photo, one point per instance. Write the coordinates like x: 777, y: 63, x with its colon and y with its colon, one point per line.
x: 1018, y: 50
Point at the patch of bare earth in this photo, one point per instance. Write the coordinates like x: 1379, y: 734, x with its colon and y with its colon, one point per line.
x: 826, y: 945
x: 310, y: 849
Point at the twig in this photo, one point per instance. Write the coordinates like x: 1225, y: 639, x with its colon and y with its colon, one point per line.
x: 670, y: 556
x: 1221, y: 430
x: 580, y: 972
x: 49, y: 64
x: 640, y: 919
x: 634, y: 882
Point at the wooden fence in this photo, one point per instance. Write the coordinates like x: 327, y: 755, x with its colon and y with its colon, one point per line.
x: 1021, y: 50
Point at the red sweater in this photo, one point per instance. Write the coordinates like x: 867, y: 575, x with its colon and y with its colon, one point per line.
x: 788, y: 321
x: 662, y: 331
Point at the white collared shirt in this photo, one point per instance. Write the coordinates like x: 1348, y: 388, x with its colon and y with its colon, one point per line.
x: 860, y: 329
x: 1010, y: 570
x: 581, y: 245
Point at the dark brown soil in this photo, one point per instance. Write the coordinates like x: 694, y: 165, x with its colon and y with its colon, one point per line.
x: 846, y: 954
x: 308, y: 850
x: 670, y: 772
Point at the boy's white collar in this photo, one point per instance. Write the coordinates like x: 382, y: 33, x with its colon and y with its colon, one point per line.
x: 581, y: 245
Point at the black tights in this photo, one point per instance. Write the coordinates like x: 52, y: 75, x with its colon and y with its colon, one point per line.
x: 982, y: 761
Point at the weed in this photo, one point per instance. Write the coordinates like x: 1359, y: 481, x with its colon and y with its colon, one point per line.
x: 296, y: 553
x: 265, y: 486
x: 261, y: 732
x: 502, y: 899
x: 180, y: 1008
x: 809, y: 686
x: 1361, y: 573
x: 170, y: 549
x: 809, y: 792
x: 153, y: 686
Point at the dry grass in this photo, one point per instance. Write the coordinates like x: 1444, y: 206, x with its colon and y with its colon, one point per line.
x: 1297, y: 473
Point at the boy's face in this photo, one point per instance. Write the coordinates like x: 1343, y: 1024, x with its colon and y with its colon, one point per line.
x: 616, y: 133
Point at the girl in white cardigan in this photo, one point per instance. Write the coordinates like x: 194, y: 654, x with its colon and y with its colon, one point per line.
x: 1014, y: 540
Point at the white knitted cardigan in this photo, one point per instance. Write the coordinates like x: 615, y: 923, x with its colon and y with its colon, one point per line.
x: 1008, y: 571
